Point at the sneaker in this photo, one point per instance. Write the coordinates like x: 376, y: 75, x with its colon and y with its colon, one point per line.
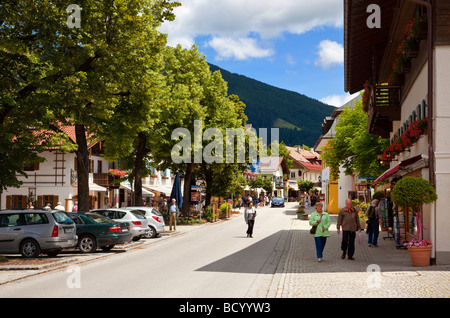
x: 370, y: 245
x: 351, y: 258
x: 319, y: 259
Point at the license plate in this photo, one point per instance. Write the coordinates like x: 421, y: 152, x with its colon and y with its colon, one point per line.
x: 70, y: 230
x: 124, y: 230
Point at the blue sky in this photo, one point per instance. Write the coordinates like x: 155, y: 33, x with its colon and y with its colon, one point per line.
x: 291, y: 44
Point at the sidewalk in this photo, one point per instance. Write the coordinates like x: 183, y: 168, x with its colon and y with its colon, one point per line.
x: 383, y: 271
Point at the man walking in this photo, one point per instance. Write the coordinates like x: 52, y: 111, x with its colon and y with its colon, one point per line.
x: 348, y: 219
x: 173, y: 213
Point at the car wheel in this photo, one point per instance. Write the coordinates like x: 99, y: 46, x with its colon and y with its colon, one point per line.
x: 107, y: 247
x: 87, y: 243
x: 29, y: 248
x: 152, y: 233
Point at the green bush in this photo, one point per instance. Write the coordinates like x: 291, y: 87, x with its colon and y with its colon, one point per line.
x: 413, y: 192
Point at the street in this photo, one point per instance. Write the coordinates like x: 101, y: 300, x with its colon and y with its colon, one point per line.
x: 219, y: 261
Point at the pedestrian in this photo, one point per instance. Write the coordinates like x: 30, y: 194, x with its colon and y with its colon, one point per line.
x: 348, y: 219
x: 306, y: 201
x: 173, y: 214
x: 322, y: 220
x: 59, y: 207
x: 75, y: 207
x: 249, y: 216
x: 373, y: 224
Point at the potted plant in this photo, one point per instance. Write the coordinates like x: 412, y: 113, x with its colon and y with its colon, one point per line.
x: 412, y: 192
x: 301, y: 213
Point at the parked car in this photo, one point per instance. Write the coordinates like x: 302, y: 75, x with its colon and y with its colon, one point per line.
x: 154, y: 218
x: 32, y: 232
x: 138, y: 223
x: 277, y: 201
x: 95, y: 230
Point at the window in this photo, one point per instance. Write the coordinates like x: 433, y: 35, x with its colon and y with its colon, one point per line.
x: 35, y: 218
x: 292, y: 175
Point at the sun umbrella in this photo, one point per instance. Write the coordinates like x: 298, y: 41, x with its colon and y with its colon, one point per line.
x: 176, y: 191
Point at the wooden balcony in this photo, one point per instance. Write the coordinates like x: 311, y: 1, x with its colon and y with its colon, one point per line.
x: 384, y: 108
x: 105, y: 180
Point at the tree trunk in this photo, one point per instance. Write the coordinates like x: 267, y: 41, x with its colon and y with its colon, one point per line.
x: 138, y: 166
x: 187, y: 187
x: 82, y: 168
x: 209, y: 180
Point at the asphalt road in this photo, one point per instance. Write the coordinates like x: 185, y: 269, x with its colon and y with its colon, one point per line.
x: 217, y: 260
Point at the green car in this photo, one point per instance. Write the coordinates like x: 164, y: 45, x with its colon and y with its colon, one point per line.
x: 94, y: 230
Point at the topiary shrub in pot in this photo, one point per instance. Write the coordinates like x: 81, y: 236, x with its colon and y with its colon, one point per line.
x: 413, y: 192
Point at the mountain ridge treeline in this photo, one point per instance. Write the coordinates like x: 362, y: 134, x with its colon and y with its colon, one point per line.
x: 267, y: 106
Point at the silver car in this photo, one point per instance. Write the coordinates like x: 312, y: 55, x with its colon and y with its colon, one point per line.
x: 32, y: 232
x: 154, y: 218
x: 138, y: 223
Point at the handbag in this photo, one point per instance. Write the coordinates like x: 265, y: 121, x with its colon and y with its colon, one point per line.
x: 314, y: 228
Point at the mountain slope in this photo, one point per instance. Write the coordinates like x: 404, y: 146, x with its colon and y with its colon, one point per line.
x: 298, y: 117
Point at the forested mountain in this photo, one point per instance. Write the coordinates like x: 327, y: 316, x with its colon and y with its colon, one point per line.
x: 298, y: 117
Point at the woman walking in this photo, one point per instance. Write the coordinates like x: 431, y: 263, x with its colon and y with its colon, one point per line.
x: 249, y: 216
x: 322, y: 221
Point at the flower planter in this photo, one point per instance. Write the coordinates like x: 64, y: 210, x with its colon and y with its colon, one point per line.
x: 406, y: 67
x: 413, y: 51
x: 305, y: 216
x: 422, y: 32
x: 420, y: 255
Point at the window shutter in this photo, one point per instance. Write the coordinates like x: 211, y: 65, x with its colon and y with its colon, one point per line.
x: 8, y: 202
x: 55, y: 200
x: 24, y: 202
x: 40, y: 201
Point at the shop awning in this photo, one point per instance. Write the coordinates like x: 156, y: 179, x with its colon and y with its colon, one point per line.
x: 293, y: 186
x: 401, y: 166
x: 96, y: 187
x: 144, y: 191
x: 159, y: 189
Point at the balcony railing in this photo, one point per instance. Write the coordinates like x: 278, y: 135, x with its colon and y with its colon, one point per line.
x: 384, y: 108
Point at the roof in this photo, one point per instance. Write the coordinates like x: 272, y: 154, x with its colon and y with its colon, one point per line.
x: 364, y: 46
x: 306, y: 158
x: 43, y: 135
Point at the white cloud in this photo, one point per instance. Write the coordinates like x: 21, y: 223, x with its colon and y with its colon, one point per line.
x: 330, y: 53
x: 239, y: 49
x: 238, y: 19
x: 338, y: 100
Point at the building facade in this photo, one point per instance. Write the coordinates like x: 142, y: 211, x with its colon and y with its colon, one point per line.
x: 403, y: 68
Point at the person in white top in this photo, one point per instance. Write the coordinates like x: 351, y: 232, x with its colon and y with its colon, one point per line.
x: 249, y: 216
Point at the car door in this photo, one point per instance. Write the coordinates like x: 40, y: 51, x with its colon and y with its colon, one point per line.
x: 11, y: 231
x: 79, y: 224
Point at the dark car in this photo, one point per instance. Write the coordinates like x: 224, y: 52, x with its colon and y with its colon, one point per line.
x: 95, y: 230
x: 277, y: 201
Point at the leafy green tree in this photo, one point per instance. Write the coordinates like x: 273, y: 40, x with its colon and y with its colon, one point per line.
x: 305, y: 185
x: 76, y: 76
x: 354, y: 148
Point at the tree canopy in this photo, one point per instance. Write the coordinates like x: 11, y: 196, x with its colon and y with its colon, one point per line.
x: 353, y: 148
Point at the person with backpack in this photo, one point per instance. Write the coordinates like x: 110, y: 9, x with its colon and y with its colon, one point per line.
x: 373, y: 224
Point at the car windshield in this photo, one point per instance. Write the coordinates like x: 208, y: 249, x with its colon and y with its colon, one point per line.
x: 62, y: 218
x: 277, y: 199
x: 97, y: 218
